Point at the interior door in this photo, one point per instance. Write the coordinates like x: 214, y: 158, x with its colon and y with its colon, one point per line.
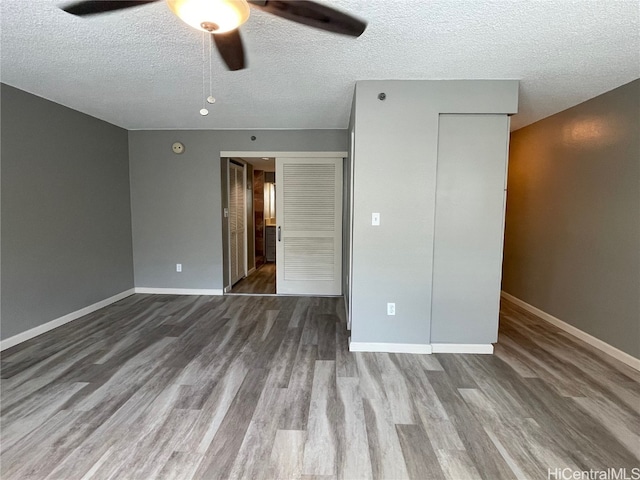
x: 309, y: 226
x: 237, y: 234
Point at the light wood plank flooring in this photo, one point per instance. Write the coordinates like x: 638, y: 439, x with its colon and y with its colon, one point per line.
x: 260, y: 282
x: 173, y: 387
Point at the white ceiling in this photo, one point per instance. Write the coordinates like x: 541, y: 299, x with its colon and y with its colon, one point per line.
x: 142, y: 68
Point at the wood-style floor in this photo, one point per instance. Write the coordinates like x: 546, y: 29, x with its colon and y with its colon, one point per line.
x: 260, y: 282
x: 174, y: 387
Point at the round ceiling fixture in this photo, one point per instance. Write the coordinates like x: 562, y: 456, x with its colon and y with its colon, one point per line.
x: 223, y: 17
x: 212, y: 16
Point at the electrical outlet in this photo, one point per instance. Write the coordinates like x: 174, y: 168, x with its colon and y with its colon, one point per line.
x: 391, y: 308
x: 178, y: 267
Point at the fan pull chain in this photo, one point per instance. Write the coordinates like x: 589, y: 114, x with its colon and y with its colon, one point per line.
x: 203, y: 110
x: 211, y: 98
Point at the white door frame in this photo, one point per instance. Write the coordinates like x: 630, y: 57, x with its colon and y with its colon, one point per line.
x: 234, y: 153
x: 228, y: 154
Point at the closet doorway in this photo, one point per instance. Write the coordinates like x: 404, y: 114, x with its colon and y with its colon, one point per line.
x: 256, y: 206
x: 292, y: 222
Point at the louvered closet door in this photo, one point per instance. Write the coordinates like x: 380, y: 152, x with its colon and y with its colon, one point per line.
x: 309, y: 232
x: 236, y: 222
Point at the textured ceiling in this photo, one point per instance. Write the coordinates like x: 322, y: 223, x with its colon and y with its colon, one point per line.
x: 142, y: 68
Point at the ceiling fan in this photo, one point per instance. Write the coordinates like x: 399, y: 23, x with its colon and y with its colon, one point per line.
x: 222, y: 18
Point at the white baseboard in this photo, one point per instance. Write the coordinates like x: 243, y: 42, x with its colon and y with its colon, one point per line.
x: 389, y: 347
x: 421, y: 349
x: 624, y: 357
x: 179, y: 291
x: 478, y: 348
x: 45, y: 327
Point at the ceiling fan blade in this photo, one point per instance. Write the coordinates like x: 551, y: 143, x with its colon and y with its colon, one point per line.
x: 91, y: 7
x: 314, y: 15
x: 231, y: 49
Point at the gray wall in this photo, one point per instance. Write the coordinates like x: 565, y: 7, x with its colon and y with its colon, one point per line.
x: 469, y: 227
x: 66, y: 221
x: 396, y: 149
x: 572, y: 239
x: 176, y: 200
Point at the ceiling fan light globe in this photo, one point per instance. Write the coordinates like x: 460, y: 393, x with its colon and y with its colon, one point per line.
x: 221, y: 15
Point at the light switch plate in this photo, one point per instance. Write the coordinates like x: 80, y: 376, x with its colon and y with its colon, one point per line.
x: 375, y: 219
